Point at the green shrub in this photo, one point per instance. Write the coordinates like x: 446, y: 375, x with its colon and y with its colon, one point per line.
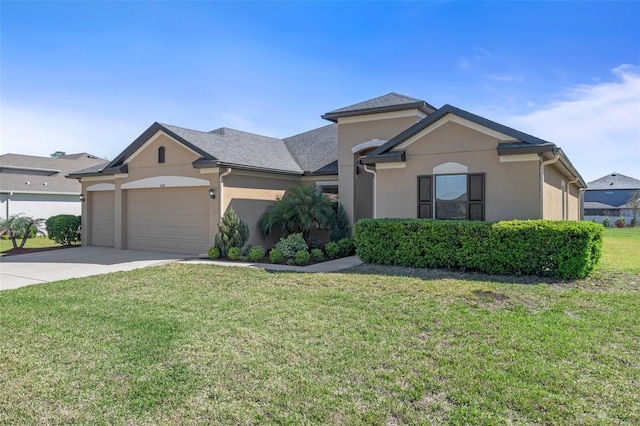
x: 346, y: 247
x: 332, y: 249
x: 64, y: 229
x: 303, y: 257
x: 234, y: 253
x: 256, y: 253
x: 606, y: 222
x: 233, y: 232
x: 557, y: 249
x: 214, y: 253
x: 276, y: 256
x: 317, y: 255
x: 291, y: 245
x: 634, y: 222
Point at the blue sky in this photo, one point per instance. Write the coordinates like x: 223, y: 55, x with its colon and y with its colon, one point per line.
x: 91, y: 76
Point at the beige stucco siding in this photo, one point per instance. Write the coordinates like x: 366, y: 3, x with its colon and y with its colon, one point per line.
x: 249, y: 194
x: 178, y: 160
x: 511, y: 188
x: 574, y: 202
x: 554, y: 193
x: 353, y: 134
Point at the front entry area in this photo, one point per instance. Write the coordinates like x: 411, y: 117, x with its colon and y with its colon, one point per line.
x: 171, y: 220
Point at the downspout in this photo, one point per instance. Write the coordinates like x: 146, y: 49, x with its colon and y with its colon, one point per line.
x: 221, y: 196
x: 373, y: 172
x: 542, y: 164
x: 568, y: 192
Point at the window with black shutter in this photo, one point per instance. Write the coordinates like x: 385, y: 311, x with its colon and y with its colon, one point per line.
x: 456, y: 196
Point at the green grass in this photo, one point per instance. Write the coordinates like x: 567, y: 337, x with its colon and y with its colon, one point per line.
x: 199, y: 344
x: 37, y: 242
x: 621, y: 251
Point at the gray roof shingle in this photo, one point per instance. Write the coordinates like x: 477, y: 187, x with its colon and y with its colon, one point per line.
x: 386, y: 103
x: 614, y: 181
x: 316, y: 149
x: 235, y: 147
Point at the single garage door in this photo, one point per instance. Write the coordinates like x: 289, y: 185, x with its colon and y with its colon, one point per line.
x: 173, y: 220
x: 102, y: 218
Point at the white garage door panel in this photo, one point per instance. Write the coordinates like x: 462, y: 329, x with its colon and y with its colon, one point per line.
x: 102, y: 217
x: 174, y: 220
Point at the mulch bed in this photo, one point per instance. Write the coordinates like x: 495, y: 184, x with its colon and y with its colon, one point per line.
x: 25, y: 250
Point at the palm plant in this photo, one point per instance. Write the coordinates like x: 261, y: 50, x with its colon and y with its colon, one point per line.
x: 298, y: 210
x: 18, y: 226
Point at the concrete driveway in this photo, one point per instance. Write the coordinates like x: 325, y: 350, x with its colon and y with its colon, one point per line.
x: 54, y: 265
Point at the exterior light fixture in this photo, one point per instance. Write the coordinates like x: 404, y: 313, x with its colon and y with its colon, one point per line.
x: 212, y: 193
x: 81, y: 197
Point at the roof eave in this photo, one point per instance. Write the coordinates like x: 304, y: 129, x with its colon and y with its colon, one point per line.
x: 507, y: 148
x: 390, y: 157
x: 204, y: 163
x: 421, y: 106
x: 107, y: 171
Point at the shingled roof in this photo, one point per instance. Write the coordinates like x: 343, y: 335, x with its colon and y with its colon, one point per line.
x: 614, y: 181
x: 33, y: 174
x: 386, y: 103
x: 307, y: 153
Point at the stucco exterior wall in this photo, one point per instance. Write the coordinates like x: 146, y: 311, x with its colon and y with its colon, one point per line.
x: 352, y: 133
x: 574, y: 203
x: 554, y: 194
x: 249, y: 194
x: 511, y: 188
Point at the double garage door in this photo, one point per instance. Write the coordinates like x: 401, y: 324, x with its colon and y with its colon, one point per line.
x: 173, y: 220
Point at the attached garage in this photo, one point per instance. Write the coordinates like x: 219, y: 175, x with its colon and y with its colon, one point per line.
x: 174, y: 220
x: 102, y: 218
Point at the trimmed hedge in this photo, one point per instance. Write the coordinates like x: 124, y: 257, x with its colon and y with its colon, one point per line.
x: 558, y: 249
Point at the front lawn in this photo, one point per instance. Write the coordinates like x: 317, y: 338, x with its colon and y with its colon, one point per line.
x: 201, y: 344
x: 32, y: 243
x: 621, y: 251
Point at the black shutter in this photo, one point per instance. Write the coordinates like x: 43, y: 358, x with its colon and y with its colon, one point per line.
x: 425, y: 193
x: 476, y: 196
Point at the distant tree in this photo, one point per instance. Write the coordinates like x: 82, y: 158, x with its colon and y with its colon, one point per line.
x: 19, y: 226
x: 58, y: 154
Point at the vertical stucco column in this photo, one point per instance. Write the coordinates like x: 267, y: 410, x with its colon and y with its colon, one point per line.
x: 85, y: 226
x: 119, y: 224
x: 346, y: 193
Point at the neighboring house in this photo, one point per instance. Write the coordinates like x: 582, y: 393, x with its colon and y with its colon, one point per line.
x: 392, y: 156
x: 609, y: 197
x: 38, y: 187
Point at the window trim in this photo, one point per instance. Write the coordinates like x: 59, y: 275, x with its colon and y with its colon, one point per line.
x: 161, y: 155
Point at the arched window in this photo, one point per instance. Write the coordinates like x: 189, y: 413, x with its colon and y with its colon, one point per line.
x: 161, y: 154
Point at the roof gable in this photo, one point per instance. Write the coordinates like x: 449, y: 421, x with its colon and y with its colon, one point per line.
x: 521, y: 138
x: 386, y: 103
